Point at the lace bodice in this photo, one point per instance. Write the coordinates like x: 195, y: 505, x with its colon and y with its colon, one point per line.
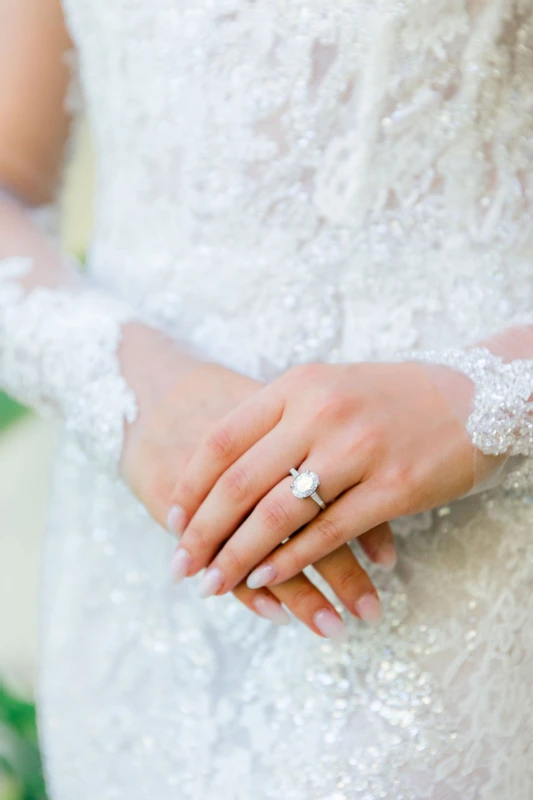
x: 357, y: 172
x: 280, y: 182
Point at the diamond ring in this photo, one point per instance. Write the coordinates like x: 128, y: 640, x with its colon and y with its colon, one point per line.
x: 305, y: 485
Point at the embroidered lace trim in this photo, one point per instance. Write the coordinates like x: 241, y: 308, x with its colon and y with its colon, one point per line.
x: 59, y: 352
x: 501, y: 417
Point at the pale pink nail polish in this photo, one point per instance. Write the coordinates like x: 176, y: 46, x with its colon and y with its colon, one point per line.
x: 386, y: 557
x: 330, y: 625
x: 180, y: 565
x: 177, y: 521
x: 369, y: 609
x: 210, y: 583
x: 261, y: 576
x: 269, y: 609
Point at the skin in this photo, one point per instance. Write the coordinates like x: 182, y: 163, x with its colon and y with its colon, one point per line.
x: 33, y: 83
x: 180, y: 399
x: 173, y: 422
x: 382, y: 437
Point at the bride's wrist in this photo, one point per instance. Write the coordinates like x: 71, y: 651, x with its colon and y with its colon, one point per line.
x: 152, y: 363
x: 511, y: 343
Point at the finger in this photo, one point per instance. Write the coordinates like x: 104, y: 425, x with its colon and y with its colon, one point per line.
x: 237, y: 492
x: 351, y: 584
x: 263, y: 603
x: 232, y: 437
x: 276, y: 517
x: 309, y: 605
x: 360, y: 509
x: 302, y: 598
x: 378, y: 545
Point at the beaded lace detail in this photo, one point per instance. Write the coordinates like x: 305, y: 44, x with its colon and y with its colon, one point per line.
x: 501, y: 418
x: 58, y: 351
x: 282, y: 181
x: 353, y: 177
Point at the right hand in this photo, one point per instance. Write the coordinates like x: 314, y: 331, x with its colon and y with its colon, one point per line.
x: 181, y: 400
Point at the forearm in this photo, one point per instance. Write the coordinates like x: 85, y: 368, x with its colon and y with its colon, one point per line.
x: 70, y: 347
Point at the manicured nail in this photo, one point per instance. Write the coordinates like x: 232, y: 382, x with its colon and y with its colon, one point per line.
x: 386, y: 557
x: 180, y: 565
x: 330, y: 625
x: 261, y: 576
x: 269, y: 609
x: 369, y: 609
x: 177, y: 521
x: 210, y: 583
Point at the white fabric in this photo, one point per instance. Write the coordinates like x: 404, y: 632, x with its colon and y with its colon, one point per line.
x: 59, y: 352
x: 279, y: 182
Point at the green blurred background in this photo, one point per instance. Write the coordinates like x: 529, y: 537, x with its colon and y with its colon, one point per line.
x: 26, y: 446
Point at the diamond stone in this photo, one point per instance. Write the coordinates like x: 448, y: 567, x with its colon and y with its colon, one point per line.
x: 305, y: 484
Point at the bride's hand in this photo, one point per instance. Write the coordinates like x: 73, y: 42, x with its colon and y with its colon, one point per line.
x: 180, y: 401
x: 382, y: 438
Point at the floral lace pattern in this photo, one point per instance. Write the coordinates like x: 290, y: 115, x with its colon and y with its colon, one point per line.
x: 328, y: 159
x: 501, y: 419
x: 58, y: 351
x: 280, y: 182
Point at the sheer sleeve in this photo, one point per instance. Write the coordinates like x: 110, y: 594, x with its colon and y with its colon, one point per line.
x: 60, y: 337
x: 500, y: 421
x: 499, y: 413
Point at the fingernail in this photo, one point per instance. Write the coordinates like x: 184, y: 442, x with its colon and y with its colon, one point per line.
x: 210, y: 583
x: 181, y: 562
x: 177, y: 521
x: 269, y: 609
x: 261, y: 576
x: 330, y: 625
x: 369, y: 609
x: 386, y: 557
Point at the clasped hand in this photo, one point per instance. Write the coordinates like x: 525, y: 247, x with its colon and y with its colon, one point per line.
x: 385, y: 443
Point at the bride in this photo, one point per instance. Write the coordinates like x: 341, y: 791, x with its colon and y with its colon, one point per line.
x: 305, y: 311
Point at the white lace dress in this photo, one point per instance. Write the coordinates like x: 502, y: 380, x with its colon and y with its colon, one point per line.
x: 283, y: 181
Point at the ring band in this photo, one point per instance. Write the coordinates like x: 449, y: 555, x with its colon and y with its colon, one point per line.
x: 305, y: 485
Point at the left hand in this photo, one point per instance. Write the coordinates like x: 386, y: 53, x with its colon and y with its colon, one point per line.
x: 382, y: 438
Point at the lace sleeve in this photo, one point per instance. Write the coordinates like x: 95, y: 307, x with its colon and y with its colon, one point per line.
x: 59, y: 341
x: 500, y: 420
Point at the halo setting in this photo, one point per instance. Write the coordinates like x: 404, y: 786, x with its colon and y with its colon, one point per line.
x: 305, y: 484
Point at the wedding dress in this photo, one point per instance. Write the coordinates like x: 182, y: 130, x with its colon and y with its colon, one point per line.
x: 281, y: 182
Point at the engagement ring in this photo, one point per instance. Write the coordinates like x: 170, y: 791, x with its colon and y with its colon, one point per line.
x: 305, y: 485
